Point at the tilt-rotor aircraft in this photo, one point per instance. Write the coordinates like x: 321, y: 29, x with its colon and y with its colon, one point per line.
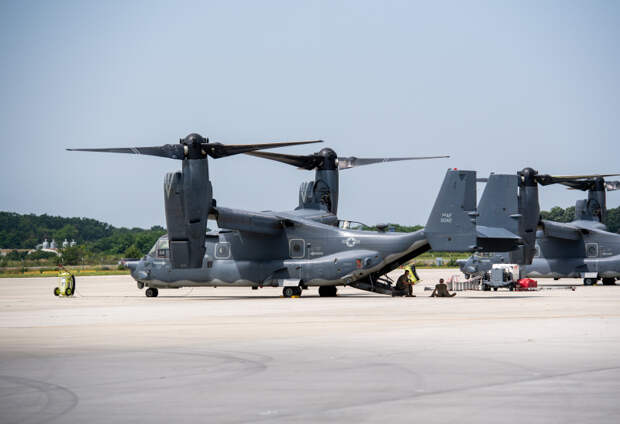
x: 300, y: 248
x: 582, y: 248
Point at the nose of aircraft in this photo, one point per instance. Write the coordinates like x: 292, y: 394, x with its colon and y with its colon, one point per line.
x: 137, y: 270
x: 469, y: 269
x: 466, y: 266
x: 132, y: 265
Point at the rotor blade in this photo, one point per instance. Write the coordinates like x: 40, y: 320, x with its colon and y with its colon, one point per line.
x: 172, y: 151
x: 612, y: 185
x: 308, y: 162
x: 217, y: 150
x: 583, y: 185
x: 351, y: 162
x: 577, y: 182
x: 580, y: 177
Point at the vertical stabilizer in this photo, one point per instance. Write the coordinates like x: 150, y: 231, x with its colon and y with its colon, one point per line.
x: 498, y: 214
x: 451, y: 225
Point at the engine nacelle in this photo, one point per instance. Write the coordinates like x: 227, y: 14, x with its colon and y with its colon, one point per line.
x: 187, y: 197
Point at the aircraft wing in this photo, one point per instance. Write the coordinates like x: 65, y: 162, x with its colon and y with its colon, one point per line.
x: 561, y: 230
x: 254, y: 222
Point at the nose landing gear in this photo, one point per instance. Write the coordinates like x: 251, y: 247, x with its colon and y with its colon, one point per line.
x: 291, y: 291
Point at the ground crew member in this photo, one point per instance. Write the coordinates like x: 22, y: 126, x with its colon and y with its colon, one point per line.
x: 413, y: 275
x: 404, y: 286
x: 441, y: 290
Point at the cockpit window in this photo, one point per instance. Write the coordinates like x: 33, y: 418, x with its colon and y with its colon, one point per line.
x: 350, y: 225
x: 160, y: 249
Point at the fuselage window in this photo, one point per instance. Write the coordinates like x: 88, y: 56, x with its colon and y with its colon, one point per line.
x: 297, y: 248
x: 222, y: 250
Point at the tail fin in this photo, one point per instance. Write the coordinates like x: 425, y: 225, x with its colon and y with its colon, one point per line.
x: 452, y: 223
x: 456, y: 226
x: 498, y: 214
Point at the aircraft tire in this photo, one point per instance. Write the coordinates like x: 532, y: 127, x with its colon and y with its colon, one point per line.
x: 328, y: 291
x: 151, y: 292
x: 609, y: 281
x: 589, y: 281
x: 289, y: 291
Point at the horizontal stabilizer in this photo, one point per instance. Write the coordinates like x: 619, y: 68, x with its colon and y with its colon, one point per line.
x: 495, y: 239
x: 495, y: 233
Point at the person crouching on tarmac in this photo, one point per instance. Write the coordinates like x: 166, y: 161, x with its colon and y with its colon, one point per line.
x: 441, y: 290
x: 404, y: 286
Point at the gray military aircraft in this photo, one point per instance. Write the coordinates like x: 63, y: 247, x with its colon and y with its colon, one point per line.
x: 582, y: 248
x: 301, y: 248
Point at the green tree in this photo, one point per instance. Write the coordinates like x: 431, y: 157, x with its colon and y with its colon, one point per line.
x: 39, y: 254
x: 72, y: 255
x: 67, y: 232
x: 613, y: 220
x: 132, y: 252
x: 14, y: 255
x: 559, y: 214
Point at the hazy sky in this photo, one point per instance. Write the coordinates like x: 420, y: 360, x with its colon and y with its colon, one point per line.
x: 497, y: 85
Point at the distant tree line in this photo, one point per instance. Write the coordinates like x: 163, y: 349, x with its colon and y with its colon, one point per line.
x: 559, y: 214
x: 95, y: 239
x: 396, y: 228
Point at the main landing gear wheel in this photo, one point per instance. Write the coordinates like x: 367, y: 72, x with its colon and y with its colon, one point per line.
x: 291, y: 291
x: 589, y: 281
x: 328, y: 291
x: 609, y: 281
x: 152, y: 292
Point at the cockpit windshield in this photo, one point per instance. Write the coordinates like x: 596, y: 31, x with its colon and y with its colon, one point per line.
x: 351, y: 225
x: 160, y: 248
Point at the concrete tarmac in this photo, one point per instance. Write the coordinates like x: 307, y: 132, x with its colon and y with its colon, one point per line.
x: 228, y: 355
